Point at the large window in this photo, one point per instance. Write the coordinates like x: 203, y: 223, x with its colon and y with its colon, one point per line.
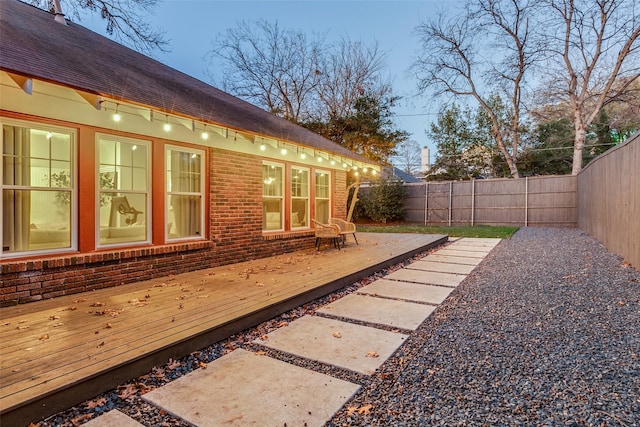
x: 123, y: 190
x: 38, y: 188
x: 185, y: 189
x: 323, y: 196
x: 299, y: 197
x: 272, y: 197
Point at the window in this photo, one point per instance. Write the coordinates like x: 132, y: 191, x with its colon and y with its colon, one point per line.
x: 38, y: 188
x: 185, y: 189
x: 123, y: 187
x: 299, y: 197
x: 323, y: 196
x: 272, y: 199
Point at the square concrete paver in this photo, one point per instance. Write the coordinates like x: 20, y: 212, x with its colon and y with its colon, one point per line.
x: 481, y: 240
x: 426, y: 277
x: 242, y: 388
x: 400, y: 314
x: 355, y: 347
x: 471, y: 248
x: 408, y: 291
x: 441, y: 267
x: 113, y: 418
x: 461, y: 253
x: 452, y: 259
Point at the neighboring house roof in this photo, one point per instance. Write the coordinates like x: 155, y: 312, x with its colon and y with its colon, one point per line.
x: 32, y: 44
x: 400, y: 174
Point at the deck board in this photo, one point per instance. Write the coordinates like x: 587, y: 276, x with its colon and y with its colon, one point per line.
x: 39, y: 360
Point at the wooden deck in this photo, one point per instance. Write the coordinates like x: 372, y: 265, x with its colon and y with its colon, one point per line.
x: 59, y: 352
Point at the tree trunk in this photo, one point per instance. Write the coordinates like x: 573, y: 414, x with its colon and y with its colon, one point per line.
x: 578, y: 148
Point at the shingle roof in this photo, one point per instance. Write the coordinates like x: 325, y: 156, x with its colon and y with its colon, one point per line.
x: 34, y: 45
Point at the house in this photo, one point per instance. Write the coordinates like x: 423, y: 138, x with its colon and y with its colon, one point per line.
x: 117, y: 168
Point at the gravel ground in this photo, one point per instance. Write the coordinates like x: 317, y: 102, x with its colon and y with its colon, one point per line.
x: 546, y: 331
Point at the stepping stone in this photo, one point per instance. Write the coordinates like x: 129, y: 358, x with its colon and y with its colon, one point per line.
x: 459, y: 253
x: 337, y: 343
x: 408, y: 291
x: 400, y: 314
x: 441, y: 267
x: 453, y: 259
x: 426, y: 277
x: 470, y: 248
x: 242, y: 388
x: 113, y: 418
x: 482, y: 240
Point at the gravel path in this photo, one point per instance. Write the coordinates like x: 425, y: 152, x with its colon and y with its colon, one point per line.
x: 545, y: 332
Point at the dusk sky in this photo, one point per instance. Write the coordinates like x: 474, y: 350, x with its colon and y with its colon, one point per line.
x: 191, y: 27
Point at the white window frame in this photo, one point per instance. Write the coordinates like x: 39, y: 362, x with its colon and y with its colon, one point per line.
x: 292, y: 197
x: 148, y: 212
x: 201, y: 193
x: 73, y: 247
x: 315, y: 193
x: 281, y: 197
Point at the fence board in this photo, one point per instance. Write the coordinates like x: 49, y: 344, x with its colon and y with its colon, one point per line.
x: 609, y: 199
x: 550, y: 201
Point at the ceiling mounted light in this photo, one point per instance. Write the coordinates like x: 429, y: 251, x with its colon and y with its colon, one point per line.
x: 263, y: 147
x: 205, y: 134
x: 166, y: 126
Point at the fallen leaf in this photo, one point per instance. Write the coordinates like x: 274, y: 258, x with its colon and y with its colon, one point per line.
x: 22, y: 327
x: 73, y: 308
x: 44, y: 337
x: 79, y: 419
x: 261, y: 353
x: 202, y: 365
x: 98, y: 304
x: 173, y: 364
x: 337, y: 334
x: 16, y: 370
x: 100, y: 345
x: 92, y: 404
x: 621, y: 303
x: 108, y: 326
x: 128, y: 391
x: 76, y: 301
x: 56, y: 325
x: 6, y: 324
x: 373, y: 354
x: 364, y: 410
x: 264, y: 337
x: 54, y: 317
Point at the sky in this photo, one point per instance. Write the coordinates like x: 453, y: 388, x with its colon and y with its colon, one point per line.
x: 192, y: 25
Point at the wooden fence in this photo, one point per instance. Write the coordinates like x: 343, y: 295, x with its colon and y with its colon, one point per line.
x: 532, y: 201
x: 609, y: 199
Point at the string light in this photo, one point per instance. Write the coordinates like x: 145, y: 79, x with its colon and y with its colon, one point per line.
x: 116, y: 116
x: 263, y: 147
x: 166, y: 126
x: 205, y: 134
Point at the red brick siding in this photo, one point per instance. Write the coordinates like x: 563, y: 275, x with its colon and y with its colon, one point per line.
x: 235, y: 235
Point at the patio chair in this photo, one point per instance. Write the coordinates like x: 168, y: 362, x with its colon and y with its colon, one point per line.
x: 345, y: 228
x: 326, y: 231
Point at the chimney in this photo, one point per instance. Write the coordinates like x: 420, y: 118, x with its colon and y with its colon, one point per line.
x: 58, y: 11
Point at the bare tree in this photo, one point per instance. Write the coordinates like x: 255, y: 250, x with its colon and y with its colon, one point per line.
x: 126, y: 20
x: 409, y: 157
x: 597, y: 46
x: 273, y: 68
x: 348, y: 71
x: 451, y: 61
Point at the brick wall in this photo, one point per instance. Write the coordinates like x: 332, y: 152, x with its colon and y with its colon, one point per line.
x: 235, y: 235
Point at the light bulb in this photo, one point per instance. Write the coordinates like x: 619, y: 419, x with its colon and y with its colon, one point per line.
x: 205, y: 135
x: 303, y: 156
x: 166, y: 127
x: 116, y: 116
x: 263, y: 147
x: 283, y: 151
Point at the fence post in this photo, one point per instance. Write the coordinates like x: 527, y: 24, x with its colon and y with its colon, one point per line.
x: 450, y: 200
x: 473, y: 199
x: 526, y: 201
x: 426, y: 203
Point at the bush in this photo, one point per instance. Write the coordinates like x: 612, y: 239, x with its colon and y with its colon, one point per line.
x: 383, y: 201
